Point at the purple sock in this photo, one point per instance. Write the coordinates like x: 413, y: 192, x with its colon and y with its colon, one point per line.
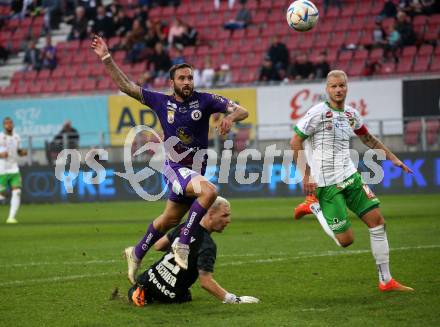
x: 196, y: 213
x: 150, y: 237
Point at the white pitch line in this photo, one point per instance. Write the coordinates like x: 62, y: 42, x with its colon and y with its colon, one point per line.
x: 90, y: 262
x: 236, y: 263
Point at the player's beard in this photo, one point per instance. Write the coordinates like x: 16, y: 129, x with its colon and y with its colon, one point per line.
x: 185, y: 92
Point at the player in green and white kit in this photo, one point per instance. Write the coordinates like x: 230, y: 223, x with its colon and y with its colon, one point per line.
x: 333, y: 177
x: 9, y: 171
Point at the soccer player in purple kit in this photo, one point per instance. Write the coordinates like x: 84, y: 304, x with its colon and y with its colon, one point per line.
x: 185, y: 115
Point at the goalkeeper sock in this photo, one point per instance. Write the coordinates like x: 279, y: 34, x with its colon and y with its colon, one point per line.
x: 150, y: 237
x: 15, y: 203
x: 196, y: 213
x: 316, y: 209
x: 381, y: 252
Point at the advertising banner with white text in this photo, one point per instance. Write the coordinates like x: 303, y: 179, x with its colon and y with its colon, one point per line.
x: 280, y: 107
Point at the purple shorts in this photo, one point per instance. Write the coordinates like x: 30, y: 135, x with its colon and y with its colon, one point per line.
x: 177, y: 177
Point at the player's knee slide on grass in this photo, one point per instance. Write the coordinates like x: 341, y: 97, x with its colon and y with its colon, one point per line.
x: 379, y: 244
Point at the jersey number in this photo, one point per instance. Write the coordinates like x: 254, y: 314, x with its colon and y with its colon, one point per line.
x: 166, y: 262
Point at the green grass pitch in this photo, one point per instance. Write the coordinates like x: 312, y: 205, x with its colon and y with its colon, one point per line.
x: 60, y: 265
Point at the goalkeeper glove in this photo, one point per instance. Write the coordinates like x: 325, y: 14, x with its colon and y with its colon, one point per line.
x: 232, y: 298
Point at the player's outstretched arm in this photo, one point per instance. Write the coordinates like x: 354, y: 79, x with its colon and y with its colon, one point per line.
x: 209, y: 284
x: 296, y: 143
x: 121, y: 80
x: 374, y: 143
x: 235, y: 113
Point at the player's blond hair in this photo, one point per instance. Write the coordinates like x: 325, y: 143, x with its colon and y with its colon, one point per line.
x: 337, y: 73
x: 218, y: 202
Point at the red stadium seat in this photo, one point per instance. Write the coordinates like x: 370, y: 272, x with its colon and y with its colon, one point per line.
x: 349, y: 10
x: 432, y: 131
x: 357, y: 23
x: 357, y: 67
x: 105, y: 84
x: 425, y: 50
x: 58, y: 72
x: 366, y: 39
x: 364, y: 8
x: 36, y: 88
x: 343, y: 25
x: 412, y: 132
x: 9, y: 90
x: 435, y: 64
x: 387, y: 68
x: 421, y: 64
x: 376, y: 54
x: 22, y: 89
x: 44, y: 74
x: 238, y: 34
x: 338, y: 39
x: 18, y: 76
x: 89, y: 85
x: 352, y: 37
x: 409, y: 51
x: 345, y: 55
x: 361, y: 54
x: 404, y: 66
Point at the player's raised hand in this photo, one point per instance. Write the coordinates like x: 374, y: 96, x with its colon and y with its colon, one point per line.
x: 225, y: 126
x: 98, y: 45
x: 396, y: 162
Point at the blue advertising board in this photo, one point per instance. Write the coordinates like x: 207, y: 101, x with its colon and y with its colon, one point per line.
x: 43, y: 118
x: 41, y: 185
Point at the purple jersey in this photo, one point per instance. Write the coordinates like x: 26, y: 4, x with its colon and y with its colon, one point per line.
x: 187, y: 120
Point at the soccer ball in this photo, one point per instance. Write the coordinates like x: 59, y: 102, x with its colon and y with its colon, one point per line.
x: 302, y: 15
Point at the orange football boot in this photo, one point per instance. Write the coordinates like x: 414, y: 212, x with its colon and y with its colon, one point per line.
x: 393, y: 285
x: 304, y: 207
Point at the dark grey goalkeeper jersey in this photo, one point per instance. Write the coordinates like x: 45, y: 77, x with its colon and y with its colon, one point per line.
x: 165, y: 281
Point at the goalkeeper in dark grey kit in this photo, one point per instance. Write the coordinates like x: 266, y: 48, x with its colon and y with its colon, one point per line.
x: 166, y: 282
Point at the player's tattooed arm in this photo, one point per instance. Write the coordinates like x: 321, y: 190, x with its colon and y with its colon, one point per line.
x: 374, y: 143
x: 236, y: 112
x: 371, y: 141
x: 121, y: 80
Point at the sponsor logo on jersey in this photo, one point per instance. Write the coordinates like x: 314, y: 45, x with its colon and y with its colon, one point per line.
x: 166, y: 275
x: 196, y: 115
x: 160, y: 287
x: 184, y: 135
x: 170, y: 117
x: 329, y: 126
x: 218, y: 98
x: 183, y: 110
x: 351, y: 121
x: 194, y: 104
x: 328, y: 114
x: 348, y: 114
